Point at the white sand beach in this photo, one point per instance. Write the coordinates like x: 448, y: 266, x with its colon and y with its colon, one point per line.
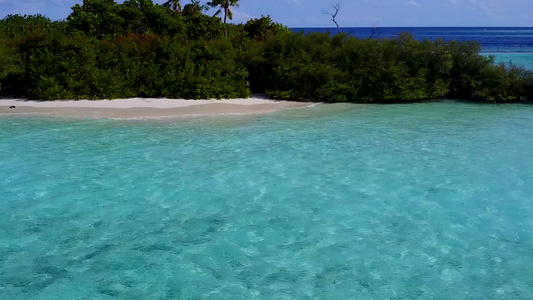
x: 143, y: 107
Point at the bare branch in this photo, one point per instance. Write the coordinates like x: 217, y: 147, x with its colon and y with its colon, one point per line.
x: 374, y: 32
x: 336, y: 7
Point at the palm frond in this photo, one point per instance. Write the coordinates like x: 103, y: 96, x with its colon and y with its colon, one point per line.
x: 230, y: 14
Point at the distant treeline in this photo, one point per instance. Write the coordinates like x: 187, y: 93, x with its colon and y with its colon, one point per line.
x: 141, y: 49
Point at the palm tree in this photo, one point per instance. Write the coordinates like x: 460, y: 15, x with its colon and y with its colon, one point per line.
x: 224, y: 5
x: 173, y: 4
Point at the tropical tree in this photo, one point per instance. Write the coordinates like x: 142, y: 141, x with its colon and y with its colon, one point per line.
x: 336, y: 7
x: 224, y: 5
x: 173, y: 4
x: 98, y: 18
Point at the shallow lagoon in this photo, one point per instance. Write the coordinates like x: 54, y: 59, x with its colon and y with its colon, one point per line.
x: 339, y: 201
x: 524, y: 60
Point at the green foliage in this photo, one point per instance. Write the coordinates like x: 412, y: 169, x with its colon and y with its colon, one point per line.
x: 263, y: 28
x: 98, y: 18
x: 106, y: 18
x: 59, y: 67
x: 146, y: 18
x: 102, y: 18
x: 8, y: 61
x: 15, y: 26
x: 111, y: 50
x: 78, y: 67
x: 202, y: 27
x: 341, y: 68
x: 193, y: 8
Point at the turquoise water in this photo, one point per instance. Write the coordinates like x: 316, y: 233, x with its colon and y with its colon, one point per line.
x: 518, y: 59
x: 419, y: 201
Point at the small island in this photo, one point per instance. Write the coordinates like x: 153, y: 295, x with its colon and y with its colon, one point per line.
x: 138, y: 49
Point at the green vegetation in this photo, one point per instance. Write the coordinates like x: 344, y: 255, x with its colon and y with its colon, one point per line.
x: 141, y: 49
x: 342, y: 68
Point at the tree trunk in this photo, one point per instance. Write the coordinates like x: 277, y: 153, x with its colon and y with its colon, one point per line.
x: 225, y: 14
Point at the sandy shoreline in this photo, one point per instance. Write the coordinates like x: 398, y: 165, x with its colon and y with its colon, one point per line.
x: 142, y: 107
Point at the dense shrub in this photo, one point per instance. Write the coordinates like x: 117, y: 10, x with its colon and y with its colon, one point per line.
x: 8, y: 61
x: 263, y: 28
x: 16, y: 26
x: 342, y: 68
x: 77, y: 67
x: 103, y: 18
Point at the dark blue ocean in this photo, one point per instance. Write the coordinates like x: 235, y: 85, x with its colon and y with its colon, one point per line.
x: 508, y: 44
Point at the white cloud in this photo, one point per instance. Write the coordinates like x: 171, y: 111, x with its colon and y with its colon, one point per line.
x: 493, y: 8
x: 296, y: 2
x: 240, y: 16
x: 412, y: 3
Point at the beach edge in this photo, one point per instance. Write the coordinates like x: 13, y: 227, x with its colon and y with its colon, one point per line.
x: 133, y: 108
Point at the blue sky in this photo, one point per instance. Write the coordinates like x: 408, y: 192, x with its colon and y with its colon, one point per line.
x: 354, y: 13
